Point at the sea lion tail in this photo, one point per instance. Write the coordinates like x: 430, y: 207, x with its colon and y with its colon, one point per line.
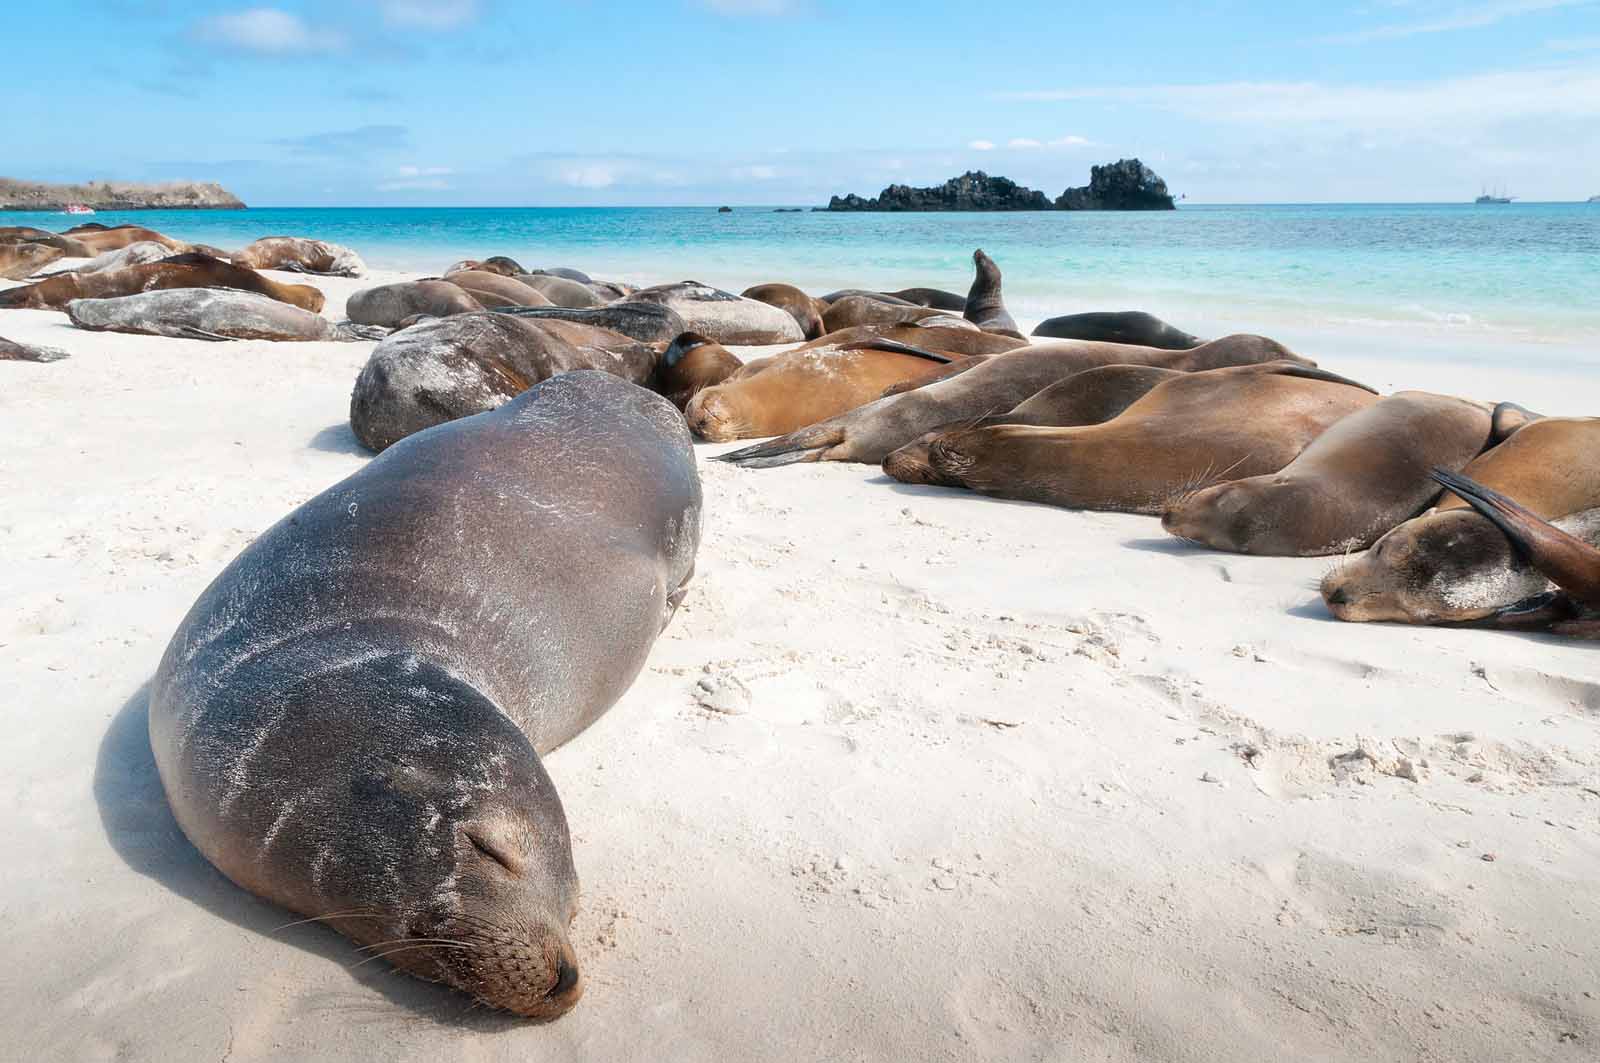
x: 1569, y: 562
x: 803, y: 445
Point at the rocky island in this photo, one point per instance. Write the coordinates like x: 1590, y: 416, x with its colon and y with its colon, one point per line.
x: 117, y: 195
x: 1126, y: 184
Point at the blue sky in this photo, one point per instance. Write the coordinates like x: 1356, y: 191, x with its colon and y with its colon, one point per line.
x: 494, y: 102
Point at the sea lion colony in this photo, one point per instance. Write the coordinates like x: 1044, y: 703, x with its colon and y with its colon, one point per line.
x: 497, y: 386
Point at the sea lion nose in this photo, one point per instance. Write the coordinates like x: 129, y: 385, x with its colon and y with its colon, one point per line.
x: 566, y: 978
x: 1337, y: 596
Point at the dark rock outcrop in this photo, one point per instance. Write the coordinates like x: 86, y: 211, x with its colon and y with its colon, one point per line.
x: 116, y: 195
x: 973, y: 190
x: 1126, y: 184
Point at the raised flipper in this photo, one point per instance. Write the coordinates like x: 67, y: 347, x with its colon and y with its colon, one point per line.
x: 1311, y: 372
x: 896, y: 347
x: 1569, y: 562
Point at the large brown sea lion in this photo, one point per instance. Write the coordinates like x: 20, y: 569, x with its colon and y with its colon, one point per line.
x: 1451, y: 565
x: 1093, y: 396
x: 1569, y: 562
x: 349, y: 722
x: 782, y: 392
x: 190, y: 270
x: 211, y: 314
x: 1354, y: 484
x: 492, y: 290
x: 20, y: 261
x: 1125, y: 326
x: 722, y: 316
x: 985, y: 306
x: 1193, y: 429
x: 388, y: 305
x: 101, y: 238
x: 870, y: 432
x: 299, y: 255
x: 806, y: 311
x: 457, y: 366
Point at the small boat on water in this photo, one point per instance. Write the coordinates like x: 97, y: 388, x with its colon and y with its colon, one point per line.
x: 1594, y: 199
x: 1494, y: 197
x: 78, y: 208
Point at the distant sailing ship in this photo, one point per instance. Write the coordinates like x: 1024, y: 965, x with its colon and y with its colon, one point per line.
x: 1594, y: 199
x: 1491, y: 197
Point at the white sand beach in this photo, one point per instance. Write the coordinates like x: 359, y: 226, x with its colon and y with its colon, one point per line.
x: 913, y: 775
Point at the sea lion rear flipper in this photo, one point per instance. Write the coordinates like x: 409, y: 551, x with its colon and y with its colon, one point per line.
x: 1569, y: 562
x: 802, y: 445
x: 1509, y: 419
x: 896, y: 347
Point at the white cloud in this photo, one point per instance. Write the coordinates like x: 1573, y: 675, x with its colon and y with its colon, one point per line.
x: 588, y: 174
x: 1452, y: 105
x: 425, y: 171
x: 433, y: 184
x: 268, y: 31
x: 981, y: 145
x: 754, y: 173
x: 1070, y: 142
x: 1023, y: 143
x: 1465, y: 18
x: 430, y: 14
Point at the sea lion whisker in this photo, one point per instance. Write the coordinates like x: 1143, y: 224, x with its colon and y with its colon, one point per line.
x: 353, y: 913
x: 408, y: 948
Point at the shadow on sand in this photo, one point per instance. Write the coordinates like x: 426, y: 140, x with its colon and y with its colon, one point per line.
x: 338, y: 439
x: 139, y: 824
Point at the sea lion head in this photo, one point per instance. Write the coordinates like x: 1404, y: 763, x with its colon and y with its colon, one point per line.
x: 1448, y: 566
x: 1243, y: 516
x: 420, y: 822
x: 690, y: 364
x: 713, y: 415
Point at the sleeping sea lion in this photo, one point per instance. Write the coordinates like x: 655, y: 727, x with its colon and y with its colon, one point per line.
x: 350, y: 721
x: 1352, y: 485
x: 190, y: 270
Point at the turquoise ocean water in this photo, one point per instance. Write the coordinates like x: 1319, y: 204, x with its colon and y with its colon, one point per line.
x: 1528, y: 273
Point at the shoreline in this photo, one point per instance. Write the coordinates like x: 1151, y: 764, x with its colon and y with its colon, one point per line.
x: 1010, y: 781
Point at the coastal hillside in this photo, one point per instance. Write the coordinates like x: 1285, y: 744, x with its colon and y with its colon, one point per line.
x: 1126, y: 184
x: 117, y: 195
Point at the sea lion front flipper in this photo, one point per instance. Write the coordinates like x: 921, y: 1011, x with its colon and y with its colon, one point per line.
x: 1569, y: 562
x: 896, y: 347
x: 1311, y: 372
